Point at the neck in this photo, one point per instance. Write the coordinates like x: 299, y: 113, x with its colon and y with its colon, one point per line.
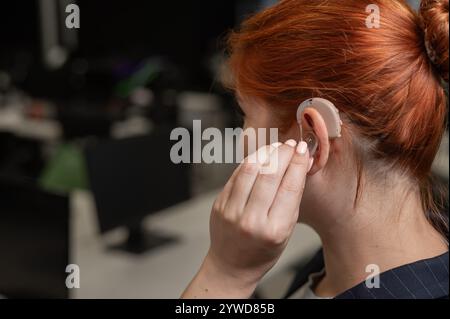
x: 380, y: 232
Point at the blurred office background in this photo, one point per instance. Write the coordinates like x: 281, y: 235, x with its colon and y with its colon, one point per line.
x: 85, y: 172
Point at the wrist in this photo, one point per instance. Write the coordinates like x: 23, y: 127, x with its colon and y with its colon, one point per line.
x: 215, y: 280
x: 235, y: 283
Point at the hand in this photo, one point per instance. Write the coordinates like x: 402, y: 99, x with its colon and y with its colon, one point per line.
x: 251, y: 222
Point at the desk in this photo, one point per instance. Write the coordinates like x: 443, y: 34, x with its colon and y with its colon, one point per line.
x: 162, y: 273
x: 44, y: 130
x: 165, y: 273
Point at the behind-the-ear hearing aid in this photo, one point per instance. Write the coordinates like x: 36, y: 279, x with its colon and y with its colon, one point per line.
x: 312, y: 143
x: 330, y: 115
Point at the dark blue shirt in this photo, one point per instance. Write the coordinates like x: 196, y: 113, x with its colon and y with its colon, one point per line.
x: 423, y: 279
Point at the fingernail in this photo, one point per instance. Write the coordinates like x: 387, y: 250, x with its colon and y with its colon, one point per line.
x: 311, y: 163
x: 276, y: 145
x: 291, y: 143
x: 302, y: 148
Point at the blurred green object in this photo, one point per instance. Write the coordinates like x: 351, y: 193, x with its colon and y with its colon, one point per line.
x: 66, y: 171
x: 148, y: 72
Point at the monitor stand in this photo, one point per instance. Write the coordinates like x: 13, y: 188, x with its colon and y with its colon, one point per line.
x: 140, y: 240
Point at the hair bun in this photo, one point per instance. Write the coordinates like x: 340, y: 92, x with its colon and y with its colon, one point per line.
x: 434, y: 15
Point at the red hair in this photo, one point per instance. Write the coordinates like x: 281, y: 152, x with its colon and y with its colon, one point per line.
x: 382, y: 79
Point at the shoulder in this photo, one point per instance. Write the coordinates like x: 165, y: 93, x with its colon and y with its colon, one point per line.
x: 316, y: 264
x: 423, y: 279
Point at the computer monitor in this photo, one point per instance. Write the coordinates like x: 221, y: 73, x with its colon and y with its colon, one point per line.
x: 20, y: 156
x: 132, y: 178
x: 34, y: 241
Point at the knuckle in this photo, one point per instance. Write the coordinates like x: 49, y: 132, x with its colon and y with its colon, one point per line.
x: 299, y: 161
x: 229, y: 214
x: 275, y: 236
x: 249, y: 168
x: 260, y: 199
x: 291, y: 186
x: 247, y: 227
x: 228, y: 218
x: 217, y: 206
x: 270, y: 178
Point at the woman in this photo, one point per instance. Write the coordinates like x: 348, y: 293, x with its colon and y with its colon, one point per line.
x: 367, y: 194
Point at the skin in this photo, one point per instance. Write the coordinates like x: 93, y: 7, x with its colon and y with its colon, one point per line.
x: 254, y: 216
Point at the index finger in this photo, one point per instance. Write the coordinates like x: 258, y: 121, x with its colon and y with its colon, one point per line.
x: 285, y: 207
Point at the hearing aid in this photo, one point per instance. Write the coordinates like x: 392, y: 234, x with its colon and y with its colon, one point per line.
x: 312, y: 143
x: 330, y: 115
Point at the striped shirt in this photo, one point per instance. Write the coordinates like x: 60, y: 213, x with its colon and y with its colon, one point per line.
x: 423, y: 279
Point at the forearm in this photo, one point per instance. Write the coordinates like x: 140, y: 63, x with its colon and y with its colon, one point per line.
x: 213, y: 283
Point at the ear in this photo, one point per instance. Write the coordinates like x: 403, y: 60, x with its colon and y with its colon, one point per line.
x: 313, y: 121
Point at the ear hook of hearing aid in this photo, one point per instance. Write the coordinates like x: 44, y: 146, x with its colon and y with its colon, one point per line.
x: 330, y: 116
x: 327, y: 110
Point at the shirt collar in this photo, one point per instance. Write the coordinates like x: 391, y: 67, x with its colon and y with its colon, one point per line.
x: 424, y: 279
